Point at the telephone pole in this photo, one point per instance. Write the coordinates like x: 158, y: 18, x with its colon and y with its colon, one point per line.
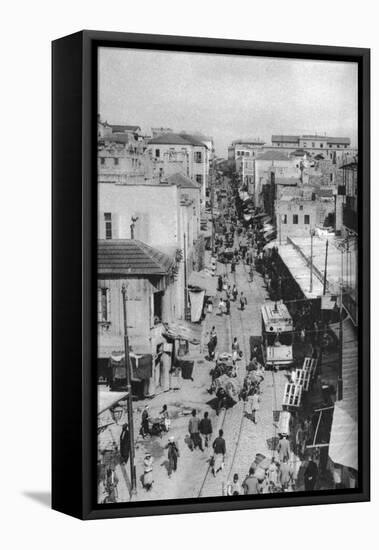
x: 133, y: 478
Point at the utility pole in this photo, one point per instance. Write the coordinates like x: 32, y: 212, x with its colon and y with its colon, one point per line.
x: 340, y: 358
x: 185, y: 277
x: 311, y: 266
x: 326, y: 266
x: 133, y: 478
x: 212, y: 220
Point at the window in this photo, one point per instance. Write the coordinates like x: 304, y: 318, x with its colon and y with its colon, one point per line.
x: 330, y: 144
x: 157, y: 307
x: 295, y: 219
x: 199, y: 178
x: 313, y: 144
x: 304, y: 144
x: 198, y: 156
x: 108, y: 225
x: 284, y: 218
x: 157, y: 153
x: 306, y: 219
x: 116, y: 161
x: 331, y: 176
x: 103, y: 305
x: 301, y: 207
x: 102, y: 160
x: 345, y: 146
x: 338, y: 146
x: 321, y: 145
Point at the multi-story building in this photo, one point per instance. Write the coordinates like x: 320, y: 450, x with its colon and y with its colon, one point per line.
x: 337, y: 149
x: 249, y: 148
x: 164, y: 216
x: 183, y: 152
x: 300, y: 210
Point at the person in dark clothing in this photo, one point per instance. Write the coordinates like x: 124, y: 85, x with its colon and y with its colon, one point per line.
x: 219, y: 450
x: 243, y: 301
x: 214, y: 337
x: 211, y: 350
x: 144, y: 431
x: 227, y: 302
x: 172, y: 455
x: 125, y: 444
x: 193, y: 429
x: 205, y: 428
x: 233, y: 265
x: 310, y: 476
x: 221, y: 399
x: 219, y: 283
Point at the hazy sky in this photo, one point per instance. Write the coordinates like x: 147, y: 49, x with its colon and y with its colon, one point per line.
x: 227, y: 97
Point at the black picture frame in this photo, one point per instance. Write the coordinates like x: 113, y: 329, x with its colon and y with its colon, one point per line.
x: 74, y: 203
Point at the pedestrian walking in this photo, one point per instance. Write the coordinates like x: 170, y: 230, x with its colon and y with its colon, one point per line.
x: 211, y: 349
x: 205, y: 428
x: 243, y: 301
x: 165, y: 418
x: 111, y: 482
x: 295, y: 465
x: 234, y: 292
x: 283, y: 448
x: 234, y: 487
x: 272, y: 473
x: 144, y: 430
x: 124, y: 444
x: 148, y: 471
x: 219, y: 452
x: 310, y: 476
x: 254, y: 401
x: 235, y: 349
x: 219, y: 283
x: 214, y: 336
x: 172, y: 455
x: 227, y: 305
x: 284, y: 474
x: 193, y: 429
x: 233, y: 265
x: 221, y: 305
x: 251, y: 484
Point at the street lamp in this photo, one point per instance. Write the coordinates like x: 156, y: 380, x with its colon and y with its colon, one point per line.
x: 133, y: 478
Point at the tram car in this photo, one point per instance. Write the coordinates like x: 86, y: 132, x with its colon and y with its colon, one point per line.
x: 277, y: 334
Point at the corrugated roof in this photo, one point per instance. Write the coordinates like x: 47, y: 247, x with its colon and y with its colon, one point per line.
x: 183, y: 181
x: 176, y: 139
x: 130, y: 257
x: 273, y: 155
x: 287, y: 139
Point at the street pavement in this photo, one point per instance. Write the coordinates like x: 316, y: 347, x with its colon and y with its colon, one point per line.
x: 243, y: 438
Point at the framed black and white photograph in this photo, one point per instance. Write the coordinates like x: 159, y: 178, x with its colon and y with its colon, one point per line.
x: 211, y: 274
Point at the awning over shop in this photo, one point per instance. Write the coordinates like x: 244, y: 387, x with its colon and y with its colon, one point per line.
x: 197, y: 301
x: 183, y: 331
x: 204, y: 281
x: 142, y: 366
x: 343, y: 447
x: 107, y: 399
